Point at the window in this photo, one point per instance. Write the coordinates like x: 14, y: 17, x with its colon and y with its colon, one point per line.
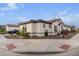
x: 43, y: 25
x: 49, y: 25
x: 24, y: 29
x: 55, y: 28
x: 61, y: 27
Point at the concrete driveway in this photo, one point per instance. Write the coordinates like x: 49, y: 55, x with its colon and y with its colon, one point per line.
x: 52, y: 47
x: 2, y: 37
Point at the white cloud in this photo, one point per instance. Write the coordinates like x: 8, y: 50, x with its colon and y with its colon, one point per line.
x: 9, y: 6
x: 22, y: 19
x: 62, y: 13
x: 2, y: 14
x: 69, y: 18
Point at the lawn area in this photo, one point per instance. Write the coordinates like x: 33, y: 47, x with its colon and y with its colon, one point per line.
x: 71, y: 34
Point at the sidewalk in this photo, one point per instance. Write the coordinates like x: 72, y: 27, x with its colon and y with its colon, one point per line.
x: 76, y: 37
x: 2, y: 37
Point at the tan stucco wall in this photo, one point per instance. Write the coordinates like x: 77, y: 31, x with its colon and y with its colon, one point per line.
x: 56, y: 24
x: 38, y: 28
x: 21, y: 27
x: 28, y: 27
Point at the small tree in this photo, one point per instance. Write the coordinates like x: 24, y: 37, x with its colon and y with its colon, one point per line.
x: 24, y: 33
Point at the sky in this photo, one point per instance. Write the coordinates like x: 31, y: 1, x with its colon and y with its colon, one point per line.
x: 13, y: 13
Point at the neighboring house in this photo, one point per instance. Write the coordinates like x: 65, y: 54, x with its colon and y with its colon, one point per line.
x: 67, y: 27
x: 10, y: 27
x: 39, y: 27
x: 77, y: 29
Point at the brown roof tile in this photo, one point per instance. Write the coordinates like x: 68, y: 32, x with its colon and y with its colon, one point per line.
x: 40, y: 21
x: 34, y: 21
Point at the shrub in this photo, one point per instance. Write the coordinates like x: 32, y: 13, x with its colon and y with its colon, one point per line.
x: 18, y: 33
x: 78, y: 30
x: 73, y: 30
x: 2, y: 31
x: 24, y: 34
x: 27, y: 34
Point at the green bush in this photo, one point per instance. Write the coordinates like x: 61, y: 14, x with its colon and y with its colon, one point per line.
x: 18, y: 33
x: 24, y: 34
x: 2, y: 31
x: 73, y: 30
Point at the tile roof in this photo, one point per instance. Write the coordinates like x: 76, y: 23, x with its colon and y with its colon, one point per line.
x: 54, y: 20
x: 40, y: 21
x: 34, y: 21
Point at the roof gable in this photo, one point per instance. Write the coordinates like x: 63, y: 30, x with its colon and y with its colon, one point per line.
x: 42, y: 21
x: 55, y: 20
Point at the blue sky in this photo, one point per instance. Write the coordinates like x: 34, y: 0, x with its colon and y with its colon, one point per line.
x: 12, y: 13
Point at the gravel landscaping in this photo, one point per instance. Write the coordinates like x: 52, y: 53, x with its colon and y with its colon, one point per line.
x: 44, y: 37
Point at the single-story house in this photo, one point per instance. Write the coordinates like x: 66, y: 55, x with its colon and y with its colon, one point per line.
x: 39, y: 27
x: 10, y: 27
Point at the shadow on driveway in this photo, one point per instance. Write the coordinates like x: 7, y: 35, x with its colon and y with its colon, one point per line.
x: 38, y: 53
